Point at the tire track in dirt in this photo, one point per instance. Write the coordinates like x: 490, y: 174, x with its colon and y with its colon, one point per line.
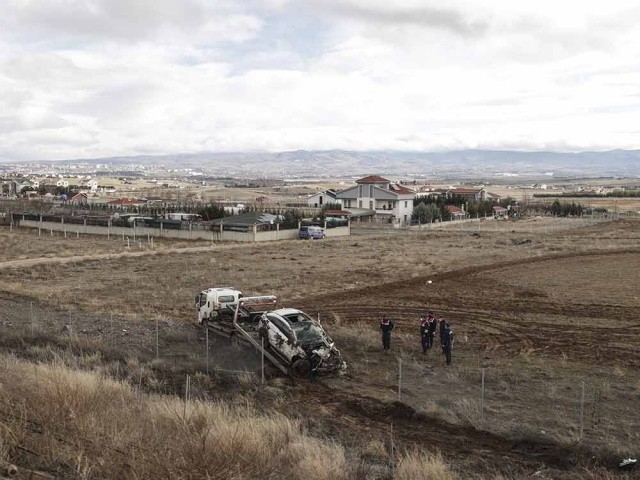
x: 497, y: 324
x: 409, y: 283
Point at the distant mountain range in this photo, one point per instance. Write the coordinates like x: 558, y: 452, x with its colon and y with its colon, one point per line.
x: 340, y: 163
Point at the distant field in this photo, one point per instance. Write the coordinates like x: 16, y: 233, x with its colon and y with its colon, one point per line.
x: 23, y: 244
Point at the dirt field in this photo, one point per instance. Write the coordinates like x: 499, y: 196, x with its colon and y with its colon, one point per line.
x: 546, y: 307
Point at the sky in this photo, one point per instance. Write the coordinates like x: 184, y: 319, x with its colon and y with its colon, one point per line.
x: 98, y: 78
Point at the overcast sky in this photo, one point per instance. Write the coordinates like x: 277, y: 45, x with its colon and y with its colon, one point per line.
x: 90, y: 78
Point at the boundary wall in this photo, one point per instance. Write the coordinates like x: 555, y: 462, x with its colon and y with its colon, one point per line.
x: 191, y: 234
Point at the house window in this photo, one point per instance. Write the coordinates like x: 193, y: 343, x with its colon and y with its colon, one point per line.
x: 370, y: 204
x: 321, y: 200
x: 405, y: 206
x: 359, y: 203
x: 405, y: 219
x: 371, y: 191
x: 359, y: 190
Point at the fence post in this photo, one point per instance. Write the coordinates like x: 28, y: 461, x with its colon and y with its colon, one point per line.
x: 206, y: 339
x: 187, y: 388
x: 399, y: 379
x: 392, y: 453
x: 482, y: 399
x: 581, y: 412
x: 262, y: 359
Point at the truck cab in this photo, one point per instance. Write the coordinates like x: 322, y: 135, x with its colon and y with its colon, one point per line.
x: 215, y: 303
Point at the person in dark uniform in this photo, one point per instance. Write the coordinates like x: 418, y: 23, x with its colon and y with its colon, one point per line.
x: 386, y: 325
x: 424, y: 333
x: 447, y: 344
x: 431, y: 328
x: 442, y: 325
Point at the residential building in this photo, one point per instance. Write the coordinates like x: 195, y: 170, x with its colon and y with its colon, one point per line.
x: 499, y: 211
x: 383, y: 199
x: 8, y: 188
x: 246, y: 222
x: 79, y: 198
x: 471, y: 194
x: 317, y: 200
x: 456, y: 213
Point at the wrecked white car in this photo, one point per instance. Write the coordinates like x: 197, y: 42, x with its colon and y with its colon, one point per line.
x: 300, y: 342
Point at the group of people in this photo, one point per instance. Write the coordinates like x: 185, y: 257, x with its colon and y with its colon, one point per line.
x: 428, y: 326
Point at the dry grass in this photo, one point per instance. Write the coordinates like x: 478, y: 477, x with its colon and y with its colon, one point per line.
x: 23, y: 243
x: 80, y: 424
x: 419, y: 465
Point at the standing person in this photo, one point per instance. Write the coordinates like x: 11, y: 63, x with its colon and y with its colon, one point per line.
x: 386, y: 325
x: 448, y: 343
x: 443, y: 325
x: 431, y: 328
x: 424, y: 333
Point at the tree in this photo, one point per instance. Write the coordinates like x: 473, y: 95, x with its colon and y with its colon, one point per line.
x: 290, y: 219
x: 426, y: 212
x: 211, y: 211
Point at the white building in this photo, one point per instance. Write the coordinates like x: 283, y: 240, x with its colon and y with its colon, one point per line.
x: 382, y: 198
x: 317, y: 200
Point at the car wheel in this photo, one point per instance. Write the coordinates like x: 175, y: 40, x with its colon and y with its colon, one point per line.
x: 301, y: 368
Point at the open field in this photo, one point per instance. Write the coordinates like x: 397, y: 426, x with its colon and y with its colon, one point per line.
x: 28, y: 244
x: 542, y: 305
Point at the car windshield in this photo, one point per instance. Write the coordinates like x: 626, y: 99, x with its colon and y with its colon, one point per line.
x: 308, y: 332
x: 296, y: 317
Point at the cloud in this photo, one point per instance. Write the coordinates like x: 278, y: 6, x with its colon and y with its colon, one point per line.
x: 62, y: 21
x: 416, y: 14
x: 98, y: 78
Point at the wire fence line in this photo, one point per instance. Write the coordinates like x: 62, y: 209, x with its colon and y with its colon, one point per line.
x: 524, y: 397
x: 529, y: 399
x: 45, y: 334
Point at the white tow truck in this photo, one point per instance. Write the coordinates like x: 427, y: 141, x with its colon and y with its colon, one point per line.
x: 218, y: 302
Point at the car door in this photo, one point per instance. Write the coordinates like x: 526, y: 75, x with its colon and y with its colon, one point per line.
x: 281, y: 337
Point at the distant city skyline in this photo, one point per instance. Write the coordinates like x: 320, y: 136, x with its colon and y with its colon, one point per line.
x: 100, y: 78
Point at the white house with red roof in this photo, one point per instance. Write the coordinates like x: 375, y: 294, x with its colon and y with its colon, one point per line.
x: 380, y: 198
x: 456, y: 213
